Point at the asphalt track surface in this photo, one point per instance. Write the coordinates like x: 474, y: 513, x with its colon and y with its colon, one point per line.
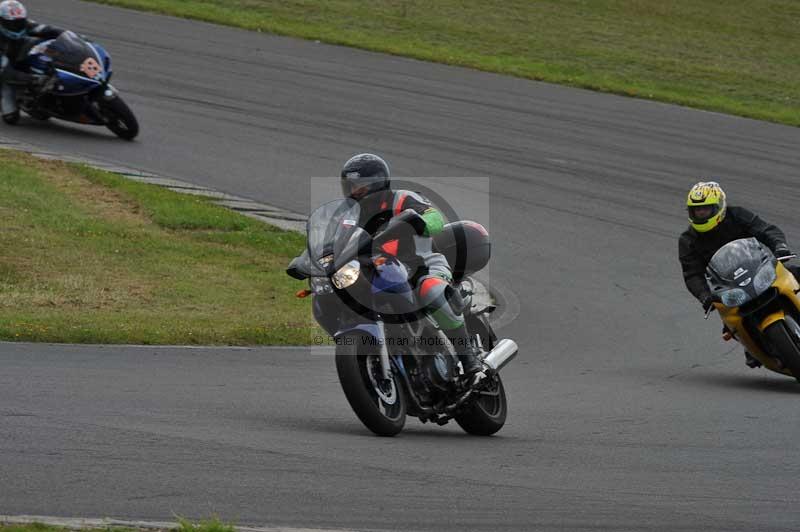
x: 627, y: 410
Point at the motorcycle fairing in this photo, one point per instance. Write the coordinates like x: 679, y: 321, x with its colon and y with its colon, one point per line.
x: 79, y: 65
x: 786, y: 286
x: 371, y: 329
x: 391, y: 277
x: 70, y: 84
x: 735, y: 265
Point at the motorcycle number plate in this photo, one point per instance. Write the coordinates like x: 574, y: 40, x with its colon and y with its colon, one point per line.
x: 91, y: 68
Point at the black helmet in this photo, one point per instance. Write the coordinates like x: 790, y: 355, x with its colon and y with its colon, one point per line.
x: 364, y: 174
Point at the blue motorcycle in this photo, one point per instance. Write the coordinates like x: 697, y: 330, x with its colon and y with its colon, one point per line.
x: 78, y: 89
x: 391, y: 358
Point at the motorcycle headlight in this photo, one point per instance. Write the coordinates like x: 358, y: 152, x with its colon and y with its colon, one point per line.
x: 321, y: 285
x: 764, y: 278
x: 734, y: 298
x: 347, y: 275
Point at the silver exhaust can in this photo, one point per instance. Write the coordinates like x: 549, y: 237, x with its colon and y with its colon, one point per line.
x: 502, y: 354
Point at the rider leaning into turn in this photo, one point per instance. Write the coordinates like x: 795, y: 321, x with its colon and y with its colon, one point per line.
x: 365, y: 178
x: 712, y: 224
x: 14, y: 28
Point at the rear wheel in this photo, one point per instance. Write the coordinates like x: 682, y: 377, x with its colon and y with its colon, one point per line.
x: 784, y: 337
x: 119, y: 118
x: 379, y: 404
x: 486, y: 414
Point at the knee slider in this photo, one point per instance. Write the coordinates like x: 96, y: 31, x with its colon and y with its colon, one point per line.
x: 432, y: 289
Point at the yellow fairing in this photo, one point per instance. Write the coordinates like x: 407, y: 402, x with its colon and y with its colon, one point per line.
x: 787, y: 286
x: 778, y: 315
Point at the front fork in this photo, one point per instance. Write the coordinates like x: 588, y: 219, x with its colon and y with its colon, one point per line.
x: 100, y: 94
x: 386, y: 367
x: 108, y: 92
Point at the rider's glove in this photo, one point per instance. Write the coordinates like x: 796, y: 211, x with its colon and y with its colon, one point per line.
x: 707, y: 301
x: 781, y: 251
x: 413, y: 219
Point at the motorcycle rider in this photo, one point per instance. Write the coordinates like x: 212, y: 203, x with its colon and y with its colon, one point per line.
x: 712, y: 224
x: 14, y: 28
x: 366, y: 178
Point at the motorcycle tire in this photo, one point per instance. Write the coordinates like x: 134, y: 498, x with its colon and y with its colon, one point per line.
x: 11, y: 119
x: 120, y: 118
x: 381, y: 411
x: 486, y: 414
x: 784, y: 337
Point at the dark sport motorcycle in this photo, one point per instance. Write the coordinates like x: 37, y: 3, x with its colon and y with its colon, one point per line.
x: 78, y: 87
x: 391, y: 358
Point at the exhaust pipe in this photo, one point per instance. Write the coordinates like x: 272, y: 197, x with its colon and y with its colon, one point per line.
x: 502, y: 354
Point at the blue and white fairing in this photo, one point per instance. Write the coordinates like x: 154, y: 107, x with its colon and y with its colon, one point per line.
x: 391, y: 290
x: 80, y: 66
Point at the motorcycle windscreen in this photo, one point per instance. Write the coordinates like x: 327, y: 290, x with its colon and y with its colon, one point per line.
x: 329, y: 229
x: 738, y: 258
x: 71, y: 53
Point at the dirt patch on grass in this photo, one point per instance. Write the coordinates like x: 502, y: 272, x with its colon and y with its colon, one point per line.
x: 96, y: 199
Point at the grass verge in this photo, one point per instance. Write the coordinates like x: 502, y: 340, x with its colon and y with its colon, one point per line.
x: 735, y: 56
x: 91, y: 257
x: 184, y: 525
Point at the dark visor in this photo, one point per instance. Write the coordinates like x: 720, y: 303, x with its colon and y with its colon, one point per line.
x: 702, y: 213
x: 15, y: 25
x: 371, y: 183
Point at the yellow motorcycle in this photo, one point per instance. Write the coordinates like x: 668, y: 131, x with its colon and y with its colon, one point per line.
x: 757, y: 299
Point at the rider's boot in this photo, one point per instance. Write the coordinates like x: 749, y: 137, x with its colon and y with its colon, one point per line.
x: 473, y: 367
x: 751, y: 361
x: 467, y: 353
x: 8, y: 103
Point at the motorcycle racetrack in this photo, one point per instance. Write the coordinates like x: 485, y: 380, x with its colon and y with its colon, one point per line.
x: 626, y: 410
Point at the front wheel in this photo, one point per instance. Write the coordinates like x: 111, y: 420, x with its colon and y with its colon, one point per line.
x: 784, y: 337
x: 381, y: 406
x: 119, y: 118
x: 11, y: 119
x: 486, y: 414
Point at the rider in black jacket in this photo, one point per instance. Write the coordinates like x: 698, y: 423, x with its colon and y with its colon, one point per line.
x: 14, y: 28
x: 712, y: 225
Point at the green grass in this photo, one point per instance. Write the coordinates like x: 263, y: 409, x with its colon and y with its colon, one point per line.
x: 90, y: 257
x: 211, y: 525
x: 184, y: 525
x: 736, y: 56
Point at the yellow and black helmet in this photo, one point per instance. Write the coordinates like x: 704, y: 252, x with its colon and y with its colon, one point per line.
x: 706, y: 205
